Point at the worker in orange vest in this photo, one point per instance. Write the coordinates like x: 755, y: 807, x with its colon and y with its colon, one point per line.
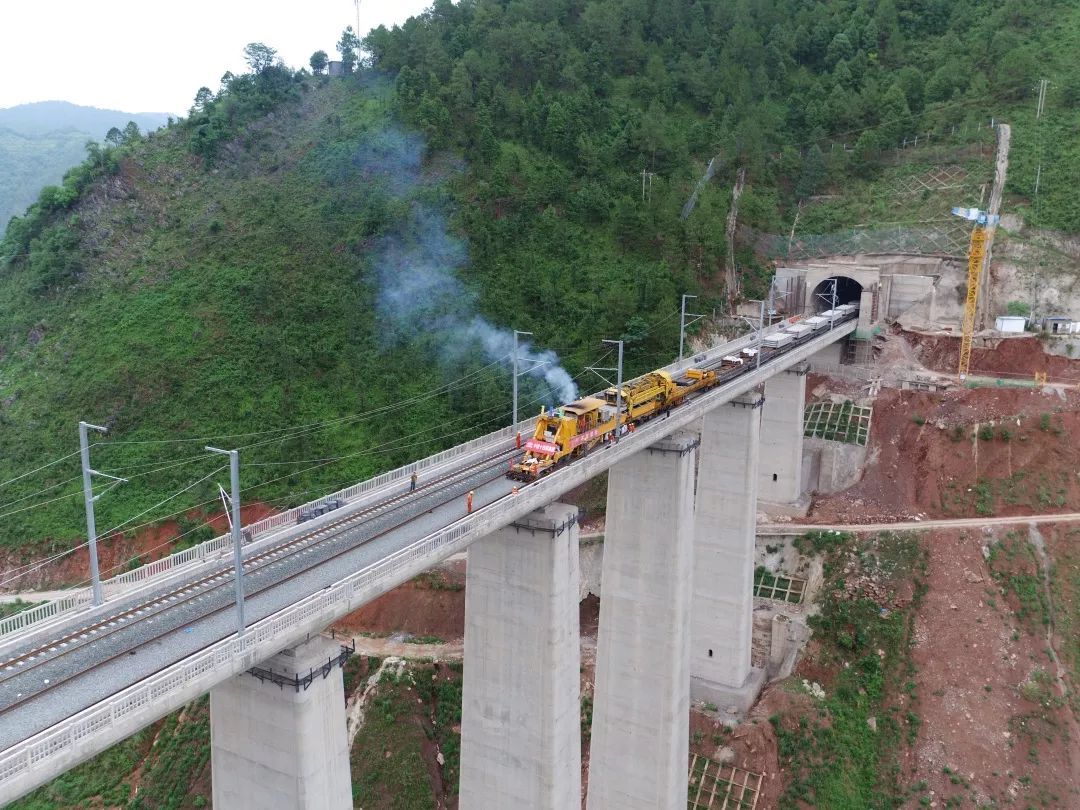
x: 519, y: 440
x: 468, y: 502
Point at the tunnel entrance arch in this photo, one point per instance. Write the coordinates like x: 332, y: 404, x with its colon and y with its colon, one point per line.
x: 847, y: 289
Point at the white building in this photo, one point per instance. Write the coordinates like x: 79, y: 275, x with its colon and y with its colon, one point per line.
x: 1010, y: 323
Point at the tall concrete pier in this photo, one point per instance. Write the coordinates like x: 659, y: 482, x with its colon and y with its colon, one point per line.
x: 520, y: 723
x: 640, y: 725
x: 277, y: 746
x: 725, y: 517
x: 780, y: 468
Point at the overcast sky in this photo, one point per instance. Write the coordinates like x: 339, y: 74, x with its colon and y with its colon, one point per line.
x: 152, y: 56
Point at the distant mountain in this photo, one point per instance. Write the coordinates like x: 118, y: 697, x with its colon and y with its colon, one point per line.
x: 41, y: 141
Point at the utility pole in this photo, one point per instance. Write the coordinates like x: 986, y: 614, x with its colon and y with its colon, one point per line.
x: 238, y: 567
x: 683, y: 322
x: 832, y: 309
x: 89, y: 497
x: 618, y: 387
x: 516, y: 374
x: 618, y: 380
x: 1043, y: 83
x: 761, y: 332
x: 645, y: 173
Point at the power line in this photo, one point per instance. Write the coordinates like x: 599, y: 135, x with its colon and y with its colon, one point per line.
x: 119, y: 526
x: 36, y: 566
x: 39, y: 469
x: 446, y: 387
x: 40, y: 492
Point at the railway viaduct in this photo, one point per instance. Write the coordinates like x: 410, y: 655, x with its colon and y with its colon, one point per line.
x: 675, y: 619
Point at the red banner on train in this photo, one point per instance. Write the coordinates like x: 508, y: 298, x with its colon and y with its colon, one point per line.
x: 584, y: 437
x: 543, y: 448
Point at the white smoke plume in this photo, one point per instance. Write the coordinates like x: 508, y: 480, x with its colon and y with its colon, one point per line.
x: 419, y: 293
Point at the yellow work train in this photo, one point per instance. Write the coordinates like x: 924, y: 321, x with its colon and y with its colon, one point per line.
x: 573, y: 430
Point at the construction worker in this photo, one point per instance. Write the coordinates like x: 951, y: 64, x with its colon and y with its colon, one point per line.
x: 518, y: 441
x: 468, y: 502
x: 514, y: 490
x: 412, y: 483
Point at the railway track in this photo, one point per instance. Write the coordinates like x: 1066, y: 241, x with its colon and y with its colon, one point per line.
x: 22, y: 677
x: 35, y: 675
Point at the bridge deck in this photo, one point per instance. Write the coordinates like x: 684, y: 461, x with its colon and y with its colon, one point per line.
x: 89, y: 690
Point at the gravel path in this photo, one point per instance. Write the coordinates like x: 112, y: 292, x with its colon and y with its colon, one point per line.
x: 915, y: 525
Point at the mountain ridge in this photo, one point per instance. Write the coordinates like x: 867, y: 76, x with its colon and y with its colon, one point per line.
x: 40, y: 141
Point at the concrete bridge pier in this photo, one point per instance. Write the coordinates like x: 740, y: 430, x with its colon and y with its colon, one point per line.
x: 280, y: 745
x: 780, y: 480
x: 640, y: 724
x: 725, y: 515
x: 520, y: 716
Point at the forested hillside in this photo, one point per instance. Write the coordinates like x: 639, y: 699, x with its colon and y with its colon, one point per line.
x: 302, y: 250
x: 41, y: 141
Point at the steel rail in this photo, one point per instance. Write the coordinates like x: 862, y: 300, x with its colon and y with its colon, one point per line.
x: 348, y: 548
x: 162, y: 602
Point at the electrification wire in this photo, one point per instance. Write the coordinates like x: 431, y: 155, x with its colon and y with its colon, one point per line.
x: 446, y: 387
x: 78, y: 478
x: 160, y: 465
x: 39, y: 469
x: 32, y: 567
x: 38, y: 505
x: 385, y: 446
x: 382, y: 448
x: 119, y: 526
x: 283, y: 498
x: 40, y: 492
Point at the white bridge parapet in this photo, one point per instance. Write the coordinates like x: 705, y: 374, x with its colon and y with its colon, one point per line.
x: 13, y: 629
x: 44, y: 756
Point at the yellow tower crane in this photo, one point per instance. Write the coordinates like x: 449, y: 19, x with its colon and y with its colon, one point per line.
x: 984, y: 224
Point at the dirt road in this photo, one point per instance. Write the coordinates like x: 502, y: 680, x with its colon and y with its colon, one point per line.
x: 915, y: 525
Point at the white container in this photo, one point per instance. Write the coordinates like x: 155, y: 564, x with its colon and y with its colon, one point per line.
x: 1010, y: 323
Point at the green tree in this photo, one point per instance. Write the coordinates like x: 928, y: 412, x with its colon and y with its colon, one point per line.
x: 896, y: 120
x: 348, y: 46
x: 318, y: 61
x: 202, y: 99
x: 258, y: 56
x: 814, y: 173
x: 864, y: 157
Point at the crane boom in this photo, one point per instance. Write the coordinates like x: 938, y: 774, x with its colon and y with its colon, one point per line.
x: 976, y: 255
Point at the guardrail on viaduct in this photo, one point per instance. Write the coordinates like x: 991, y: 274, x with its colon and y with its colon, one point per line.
x: 37, y: 759
x: 220, y: 547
